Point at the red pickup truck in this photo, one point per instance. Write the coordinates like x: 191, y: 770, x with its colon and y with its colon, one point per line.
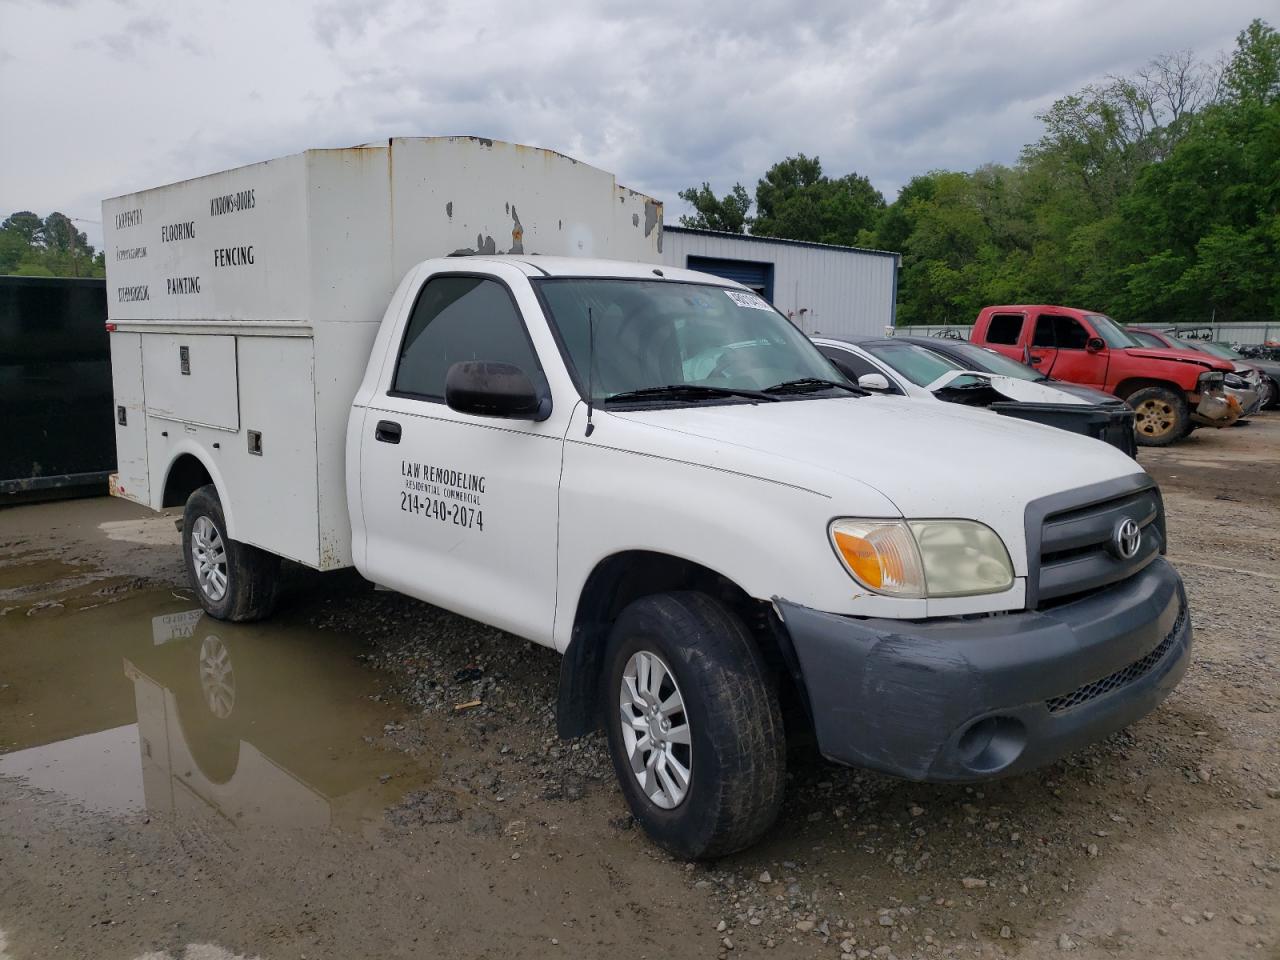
x: 1170, y: 391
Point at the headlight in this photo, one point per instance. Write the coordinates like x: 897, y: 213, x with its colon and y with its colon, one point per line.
x: 1210, y: 381
x: 1235, y: 381
x: 923, y: 558
x: 881, y: 555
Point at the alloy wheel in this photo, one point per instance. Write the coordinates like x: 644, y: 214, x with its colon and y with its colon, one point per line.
x: 209, y: 558
x: 1154, y: 417
x: 655, y: 730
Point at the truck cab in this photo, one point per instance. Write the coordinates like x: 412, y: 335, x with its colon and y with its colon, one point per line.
x: 1171, y: 393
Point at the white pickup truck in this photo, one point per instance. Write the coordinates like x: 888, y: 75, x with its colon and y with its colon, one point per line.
x: 646, y: 468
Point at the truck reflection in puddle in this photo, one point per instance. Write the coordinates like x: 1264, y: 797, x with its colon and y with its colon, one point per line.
x: 253, y: 724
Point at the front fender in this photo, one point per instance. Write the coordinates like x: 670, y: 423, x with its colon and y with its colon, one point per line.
x: 768, y: 537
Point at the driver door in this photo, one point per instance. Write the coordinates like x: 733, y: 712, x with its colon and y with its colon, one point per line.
x: 461, y: 510
x: 1072, y: 360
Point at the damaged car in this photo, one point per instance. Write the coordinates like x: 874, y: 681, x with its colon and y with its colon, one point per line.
x: 1256, y: 383
x: 960, y: 372
x: 1171, y: 391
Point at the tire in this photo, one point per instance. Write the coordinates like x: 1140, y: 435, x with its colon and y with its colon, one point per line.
x: 1271, y: 398
x: 1161, y: 417
x: 736, y: 752
x: 233, y: 580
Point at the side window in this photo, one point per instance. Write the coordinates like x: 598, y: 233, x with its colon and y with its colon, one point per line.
x: 1070, y: 333
x: 1146, y: 339
x: 456, y: 319
x: 1044, y: 333
x: 850, y: 364
x: 854, y: 366
x: 1005, y: 328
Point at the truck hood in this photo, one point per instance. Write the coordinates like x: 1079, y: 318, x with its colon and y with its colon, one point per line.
x: 1179, y: 356
x: 926, y: 459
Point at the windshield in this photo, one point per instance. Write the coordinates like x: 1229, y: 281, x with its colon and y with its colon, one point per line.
x: 1147, y: 339
x: 988, y: 361
x: 660, y: 333
x: 917, y: 364
x: 1111, y: 332
x: 1220, y: 350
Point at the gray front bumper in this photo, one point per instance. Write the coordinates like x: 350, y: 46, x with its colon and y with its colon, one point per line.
x: 970, y: 699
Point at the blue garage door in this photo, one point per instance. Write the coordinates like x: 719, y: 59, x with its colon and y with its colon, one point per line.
x: 749, y: 273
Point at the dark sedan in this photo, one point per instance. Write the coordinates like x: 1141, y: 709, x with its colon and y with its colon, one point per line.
x: 1091, y: 411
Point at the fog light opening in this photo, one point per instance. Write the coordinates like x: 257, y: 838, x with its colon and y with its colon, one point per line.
x: 992, y: 743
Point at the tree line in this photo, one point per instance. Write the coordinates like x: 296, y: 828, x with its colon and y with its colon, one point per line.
x: 35, y: 246
x: 1153, y: 197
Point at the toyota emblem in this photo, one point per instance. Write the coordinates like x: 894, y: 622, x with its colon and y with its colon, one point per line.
x: 1127, y: 539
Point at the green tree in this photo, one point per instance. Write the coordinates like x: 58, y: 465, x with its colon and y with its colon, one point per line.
x: 59, y: 233
x: 12, y: 249
x: 26, y: 225
x: 1254, y: 72
x: 795, y: 200
x: 728, y: 213
x: 47, y: 247
x: 783, y: 183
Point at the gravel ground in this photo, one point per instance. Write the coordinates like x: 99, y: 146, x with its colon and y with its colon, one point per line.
x: 1161, y: 841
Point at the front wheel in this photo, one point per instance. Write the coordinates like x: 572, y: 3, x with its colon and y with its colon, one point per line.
x: 1161, y: 416
x: 1270, y: 394
x: 233, y: 580
x: 694, y: 726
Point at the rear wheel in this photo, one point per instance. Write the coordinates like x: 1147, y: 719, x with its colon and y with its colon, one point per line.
x: 233, y: 580
x: 695, y: 730
x: 1161, y: 416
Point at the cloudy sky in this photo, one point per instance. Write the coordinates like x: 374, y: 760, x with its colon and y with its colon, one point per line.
x: 99, y: 97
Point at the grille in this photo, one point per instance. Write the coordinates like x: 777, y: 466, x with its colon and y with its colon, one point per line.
x: 1077, y: 554
x: 1121, y: 678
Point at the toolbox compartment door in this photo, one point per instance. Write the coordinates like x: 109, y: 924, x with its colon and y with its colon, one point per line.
x: 191, y: 378
x: 129, y: 413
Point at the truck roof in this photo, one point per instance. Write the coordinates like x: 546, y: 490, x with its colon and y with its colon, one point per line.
x: 1077, y: 311
x: 534, y: 265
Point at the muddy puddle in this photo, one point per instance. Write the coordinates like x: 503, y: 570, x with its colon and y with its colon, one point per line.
x: 138, y: 704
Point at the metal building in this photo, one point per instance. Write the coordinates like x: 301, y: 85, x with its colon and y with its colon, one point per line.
x: 824, y: 289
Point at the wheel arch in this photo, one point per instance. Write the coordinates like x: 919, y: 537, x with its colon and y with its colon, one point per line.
x: 623, y: 577
x: 190, y: 468
x: 1131, y: 385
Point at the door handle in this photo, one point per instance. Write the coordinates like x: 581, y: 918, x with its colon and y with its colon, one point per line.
x: 1035, y: 360
x: 387, y: 431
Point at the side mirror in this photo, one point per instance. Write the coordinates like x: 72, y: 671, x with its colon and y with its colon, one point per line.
x: 1095, y: 345
x: 873, y: 381
x: 490, y: 389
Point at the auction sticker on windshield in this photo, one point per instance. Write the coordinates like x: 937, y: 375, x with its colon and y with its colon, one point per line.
x: 744, y: 299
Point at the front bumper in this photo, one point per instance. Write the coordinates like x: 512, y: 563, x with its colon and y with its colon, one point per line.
x: 971, y: 699
x: 1249, y: 398
x: 1219, y: 409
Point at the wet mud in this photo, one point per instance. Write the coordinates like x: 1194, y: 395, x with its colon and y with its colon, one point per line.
x: 365, y: 775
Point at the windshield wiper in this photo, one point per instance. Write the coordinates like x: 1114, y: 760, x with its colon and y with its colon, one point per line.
x: 687, y: 391
x: 808, y: 384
